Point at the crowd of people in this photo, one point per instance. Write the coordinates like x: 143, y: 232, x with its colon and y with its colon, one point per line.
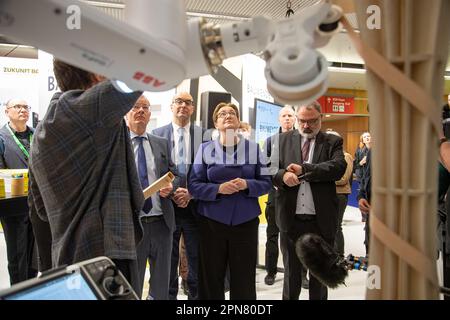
x: 91, y: 156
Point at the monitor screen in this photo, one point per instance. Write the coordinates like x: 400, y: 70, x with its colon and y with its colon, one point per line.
x: 68, y: 287
x: 266, y: 120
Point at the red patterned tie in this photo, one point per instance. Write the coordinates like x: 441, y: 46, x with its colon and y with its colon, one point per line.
x: 305, y: 150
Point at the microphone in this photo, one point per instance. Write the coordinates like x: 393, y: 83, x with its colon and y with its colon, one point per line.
x: 324, y: 263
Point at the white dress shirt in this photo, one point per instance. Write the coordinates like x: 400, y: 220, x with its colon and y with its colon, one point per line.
x: 151, y: 171
x: 187, y: 141
x: 305, y: 201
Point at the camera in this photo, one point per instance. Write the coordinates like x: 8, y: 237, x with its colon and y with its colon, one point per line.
x: 94, y: 279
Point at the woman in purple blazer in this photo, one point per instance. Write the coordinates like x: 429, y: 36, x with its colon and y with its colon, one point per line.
x: 227, y: 178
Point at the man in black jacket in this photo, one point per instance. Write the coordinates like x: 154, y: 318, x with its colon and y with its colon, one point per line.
x: 15, y: 141
x: 309, y: 162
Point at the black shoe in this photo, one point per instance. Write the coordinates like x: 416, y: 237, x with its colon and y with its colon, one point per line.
x: 185, y: 288
x: 270, y: 279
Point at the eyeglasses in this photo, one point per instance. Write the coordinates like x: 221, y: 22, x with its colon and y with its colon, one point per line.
x: 179, y: 102
x: 311, y: 122
x: 139, y: 106
x: 17, y: 107
x: 224, y: 114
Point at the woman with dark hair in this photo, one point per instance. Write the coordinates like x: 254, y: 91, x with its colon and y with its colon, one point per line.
x: 227, y: 178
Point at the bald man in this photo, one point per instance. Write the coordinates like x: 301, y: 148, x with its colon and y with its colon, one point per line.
x: 15, y: 141
x: 184, y: 140
x: 157, y: 216
x: 286, y: 119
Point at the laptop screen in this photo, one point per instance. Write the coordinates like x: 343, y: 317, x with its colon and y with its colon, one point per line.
x: 69, y: 287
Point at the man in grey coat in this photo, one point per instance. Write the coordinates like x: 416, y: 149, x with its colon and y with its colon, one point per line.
x: 84, y: 181
x: 157, y: 216
x: 15, y: 141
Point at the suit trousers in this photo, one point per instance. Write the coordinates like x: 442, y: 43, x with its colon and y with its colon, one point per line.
x: 156, y: 248
x: 222, y: 245
x: 186, y: 224
x: 19, y: 240
x: 272, y: 233
x: 293, y: 268
x: 339, y: 241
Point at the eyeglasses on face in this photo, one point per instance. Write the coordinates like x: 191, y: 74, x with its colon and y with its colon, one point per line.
x: 179, y: 102
x: 311, y: 122
x: 17, y: 107
x: 144, y: 107
x: 224, y: 114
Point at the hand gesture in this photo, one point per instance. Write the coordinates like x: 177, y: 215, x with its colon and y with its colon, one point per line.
x: 364, y: 205
x: 182, y: 197
x: 164, y: 192
x: 228, y: 188
x: 290, y: 179
x: 240, y: 183
x: 295, y: 168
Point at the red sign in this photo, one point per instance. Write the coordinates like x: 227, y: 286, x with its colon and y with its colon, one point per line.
x: 337, y: 105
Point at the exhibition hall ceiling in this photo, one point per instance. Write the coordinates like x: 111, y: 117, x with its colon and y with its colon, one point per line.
x: 221, y: 11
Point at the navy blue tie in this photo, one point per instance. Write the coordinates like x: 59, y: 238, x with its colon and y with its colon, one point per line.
x: 143, y: 174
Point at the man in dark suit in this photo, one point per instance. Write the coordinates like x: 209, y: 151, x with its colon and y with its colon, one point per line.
x: 309, y: 163
x: 286, y: 118
x: 184, y: 140
x: 157, y: 216
x: 84, y: 180
x: 15, y: 141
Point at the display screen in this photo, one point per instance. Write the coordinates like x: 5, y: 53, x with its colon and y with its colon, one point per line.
x: 68, y: 287
x: 266, y: 120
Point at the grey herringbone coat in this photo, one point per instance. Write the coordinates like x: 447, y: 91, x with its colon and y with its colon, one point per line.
x: 84, y: 179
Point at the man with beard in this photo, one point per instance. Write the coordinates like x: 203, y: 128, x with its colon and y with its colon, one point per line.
x: 309, y: 162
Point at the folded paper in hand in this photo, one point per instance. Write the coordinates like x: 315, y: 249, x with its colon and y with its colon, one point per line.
x: 162, y: 182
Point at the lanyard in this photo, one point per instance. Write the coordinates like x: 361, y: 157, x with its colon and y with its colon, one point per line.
x: 19, y: 144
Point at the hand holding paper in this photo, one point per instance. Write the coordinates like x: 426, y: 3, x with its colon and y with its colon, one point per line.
x: 159, y: 184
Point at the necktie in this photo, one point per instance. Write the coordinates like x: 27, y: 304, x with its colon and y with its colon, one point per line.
x: 305, y: 150
x: 143, y: 174
x: 181, y: 156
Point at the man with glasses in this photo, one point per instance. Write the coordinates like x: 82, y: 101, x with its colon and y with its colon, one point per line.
x: 15, y: 142
x: 309, y: 163
x: 185, y: 138
x: 157, y: 216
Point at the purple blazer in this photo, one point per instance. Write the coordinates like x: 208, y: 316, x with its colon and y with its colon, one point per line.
x: 213, y: 166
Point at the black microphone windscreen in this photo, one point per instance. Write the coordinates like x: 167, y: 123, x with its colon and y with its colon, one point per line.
x: 321, y: 260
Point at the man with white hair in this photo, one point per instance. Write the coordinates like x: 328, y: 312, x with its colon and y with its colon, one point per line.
x: 286, y: 119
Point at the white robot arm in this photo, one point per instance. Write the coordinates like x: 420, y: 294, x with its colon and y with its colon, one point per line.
x: 152, y: 57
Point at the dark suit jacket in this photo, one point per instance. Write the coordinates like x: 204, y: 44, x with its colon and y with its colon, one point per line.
x: 163, y: 164
x: 328, y: 165
x: 11, y: 157
x: 196, y: 133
